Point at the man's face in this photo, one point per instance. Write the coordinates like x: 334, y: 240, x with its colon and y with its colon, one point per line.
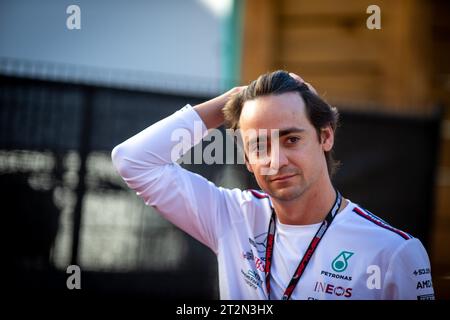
x: 285, y: 171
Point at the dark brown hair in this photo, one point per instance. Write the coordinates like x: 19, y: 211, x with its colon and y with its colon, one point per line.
x: 319, y: 113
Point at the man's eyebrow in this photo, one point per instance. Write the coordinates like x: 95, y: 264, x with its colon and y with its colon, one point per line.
x: 290, y: 130
x: 282, y: 132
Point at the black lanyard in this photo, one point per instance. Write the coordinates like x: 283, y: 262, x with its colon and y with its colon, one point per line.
x: 308, y: 254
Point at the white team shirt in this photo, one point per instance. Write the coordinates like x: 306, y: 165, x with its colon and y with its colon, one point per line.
x: 359, y: 257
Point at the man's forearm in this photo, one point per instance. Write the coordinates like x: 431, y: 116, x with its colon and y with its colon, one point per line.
x: 211, y: 112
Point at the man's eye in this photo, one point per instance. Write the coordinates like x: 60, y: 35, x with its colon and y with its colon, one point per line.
x: 293, y: 139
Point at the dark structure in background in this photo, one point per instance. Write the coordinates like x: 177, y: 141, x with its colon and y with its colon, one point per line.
x: 30, y: 222
x: 388, y: 167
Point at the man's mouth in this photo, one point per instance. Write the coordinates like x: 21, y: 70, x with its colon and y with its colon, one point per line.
x: 283, y: 178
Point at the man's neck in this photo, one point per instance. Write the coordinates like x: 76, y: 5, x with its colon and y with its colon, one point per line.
x: 310, y: 208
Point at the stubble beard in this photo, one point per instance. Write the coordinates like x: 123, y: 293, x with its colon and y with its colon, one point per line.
x: 288, y: 193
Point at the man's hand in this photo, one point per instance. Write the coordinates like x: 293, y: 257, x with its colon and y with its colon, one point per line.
x: 211, y: 110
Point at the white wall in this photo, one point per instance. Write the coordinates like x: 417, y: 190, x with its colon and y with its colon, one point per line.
x: 162, y: 44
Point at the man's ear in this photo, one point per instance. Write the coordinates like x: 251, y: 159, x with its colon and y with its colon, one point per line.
x: 327, y: 138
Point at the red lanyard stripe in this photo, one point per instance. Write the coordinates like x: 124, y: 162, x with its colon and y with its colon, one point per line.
x: 269, y: 251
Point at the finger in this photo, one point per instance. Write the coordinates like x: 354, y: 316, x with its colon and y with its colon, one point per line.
x: 240, y: 89
x: 311, y: 87
x: 296, y: 77
x: 234, y: 91
x: 300, y: 79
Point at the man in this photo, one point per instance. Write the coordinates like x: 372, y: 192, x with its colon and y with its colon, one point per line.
x: 299, y: 238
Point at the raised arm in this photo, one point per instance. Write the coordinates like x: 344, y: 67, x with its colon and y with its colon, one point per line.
x: 148, y: 165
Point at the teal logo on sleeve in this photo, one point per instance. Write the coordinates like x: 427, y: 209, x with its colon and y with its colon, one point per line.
x: 340, y: 263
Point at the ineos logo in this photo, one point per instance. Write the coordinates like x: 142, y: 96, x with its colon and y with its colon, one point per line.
x: 332, y: 289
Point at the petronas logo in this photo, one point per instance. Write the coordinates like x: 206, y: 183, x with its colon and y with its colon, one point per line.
x: 340, y: 263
